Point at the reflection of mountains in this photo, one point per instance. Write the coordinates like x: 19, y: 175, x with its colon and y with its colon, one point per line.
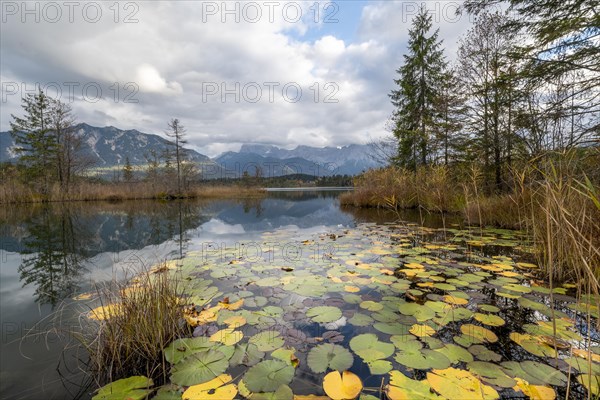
x: 102, y: 227
x: 272, y: 213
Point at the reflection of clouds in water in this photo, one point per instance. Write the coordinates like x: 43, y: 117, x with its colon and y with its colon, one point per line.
x: 219, y: 227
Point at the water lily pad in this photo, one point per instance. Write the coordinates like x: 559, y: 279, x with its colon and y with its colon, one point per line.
x: 532, y: 345
x: 379, y: 367
x: 331, y: 356
x: 359, y: 319
x: 267, y: 376
x: 484, y: 354
x: 134, y: 388
x: 371, y: 305
x: 217, y: 389
x: 545, y: 373
x: 199, y: 368
x: 368, y: 347
x: 491, y: 373
x: 228, y: 336
x: 391, y: 328
x: 421, y: 330
x: 591, y: 383
x: 342, y: 386
x: 535, y: 392
x: 403, y: 388
x: 488, y: 308
x: 489, y: 319
x: 324, y: 314
x: 455, y: 353
x: 181, y: 348
x: 459, y: 384
x: 247, y: 354
x: 479, y: 333
x: 267, y: 340
x: 423, y: 359
x: 283, y: 392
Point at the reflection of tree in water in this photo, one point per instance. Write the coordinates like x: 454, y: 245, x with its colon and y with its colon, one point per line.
x: 250, y: 203
x: 50, y: 258
x: 61, y: 238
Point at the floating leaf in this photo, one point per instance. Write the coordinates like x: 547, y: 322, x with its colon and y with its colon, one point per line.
x: 371, y: 305
x: 491, y: 373
x: 532, y: 345
x: 359, y: 319
x: 199, y: 368
x: 368, y: 347
x: 182, y: 348
x: 134, y: 388
x: 328, y: 355
x: 455, y: 353
x: 216, y: 388
x: 324, y: 314
x: 379, y: 367
x: 423, y: 359
x: 458, y: 384
x: 479, y: 333
x: 283, y: 392
x: 403, y: 388
x: 105, y: 312
x: 489, y: 319
x: 535, y: 392
x: 228, y: 336
x: 484, y: 354
x: 267, y: 340
x: 342, y: 386
x: 591, y: 383
x: 267, y: 376
x: 422, y: 330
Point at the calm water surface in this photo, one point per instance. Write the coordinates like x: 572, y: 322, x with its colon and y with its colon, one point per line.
x: 49, y: 254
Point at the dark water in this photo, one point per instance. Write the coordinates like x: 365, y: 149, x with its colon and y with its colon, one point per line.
x: 48, y: 254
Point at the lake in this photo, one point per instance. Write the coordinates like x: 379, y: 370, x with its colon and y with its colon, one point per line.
x: 431, y: 291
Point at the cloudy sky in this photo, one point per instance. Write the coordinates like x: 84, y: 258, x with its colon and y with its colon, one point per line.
x: 272, y: 72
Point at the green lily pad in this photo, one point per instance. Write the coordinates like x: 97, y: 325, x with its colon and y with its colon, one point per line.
x: 331, y: 356
x: 324, y: 314
x: 368, y: 347
x: 283, y: 392
x: 134, y: 388
x: 199, y: 368
x: 483, y: 353
x: 455, y: 353
x: 359, y: 319
x: 424, y: 359
x: 491, y: 373
x: 181, y: 348
x: 267, y: 340
x: 379, y: 367
x: 268, y: 376
x: 489, y: 319
x: 591, y: 383
x: 371, y: 305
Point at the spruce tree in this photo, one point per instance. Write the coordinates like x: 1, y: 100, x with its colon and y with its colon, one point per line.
x: 416, y: 99
x: 35, y: 139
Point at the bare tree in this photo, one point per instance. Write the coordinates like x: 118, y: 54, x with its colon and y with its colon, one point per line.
x: 177, y: 132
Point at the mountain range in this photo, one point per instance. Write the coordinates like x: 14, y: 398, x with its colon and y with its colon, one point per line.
x: 108, y: 147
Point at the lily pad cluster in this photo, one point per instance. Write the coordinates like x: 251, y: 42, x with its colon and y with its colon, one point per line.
x: 434, y: 314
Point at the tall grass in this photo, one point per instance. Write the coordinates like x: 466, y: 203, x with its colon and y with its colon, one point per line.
x: 555, y: 198
x: 432, y: 189
x: 136, y: 321
x: 17, y: 192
